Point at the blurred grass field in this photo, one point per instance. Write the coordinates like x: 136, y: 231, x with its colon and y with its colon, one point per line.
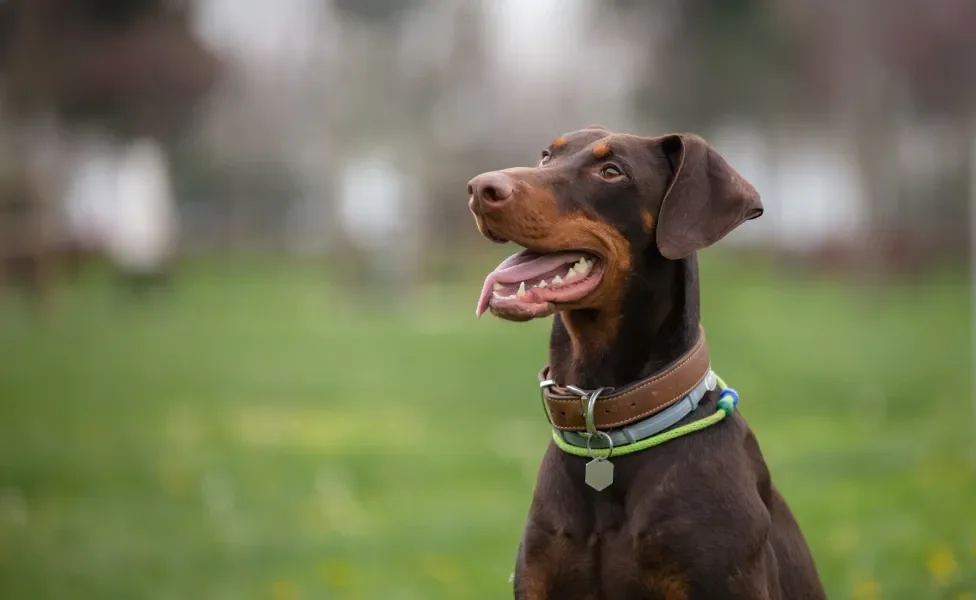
x: 255, y: 435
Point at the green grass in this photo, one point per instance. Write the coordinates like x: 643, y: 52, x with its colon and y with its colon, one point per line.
x: 258, y: 436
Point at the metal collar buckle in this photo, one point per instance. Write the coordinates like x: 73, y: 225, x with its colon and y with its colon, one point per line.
x: 598, y: 473
x: 587, y: 402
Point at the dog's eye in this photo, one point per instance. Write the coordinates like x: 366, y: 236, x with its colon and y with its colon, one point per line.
x: 546, y: 155
x: 610, y: 172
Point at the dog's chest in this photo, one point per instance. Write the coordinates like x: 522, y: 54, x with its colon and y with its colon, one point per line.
x: 600, y: 557
x: 627, y: 568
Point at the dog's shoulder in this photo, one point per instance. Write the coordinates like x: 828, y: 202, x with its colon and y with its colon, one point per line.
x: 715, y: 494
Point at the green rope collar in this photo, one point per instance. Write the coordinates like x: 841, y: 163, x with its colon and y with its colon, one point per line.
x: 727, y: 401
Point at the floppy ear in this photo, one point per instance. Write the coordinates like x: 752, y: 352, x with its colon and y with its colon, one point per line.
x: 705, y: 201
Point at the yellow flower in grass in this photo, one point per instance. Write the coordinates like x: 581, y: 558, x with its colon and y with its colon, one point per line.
x: 285, y: 589
x: 942, y: 565
x: 866, y: 589
x: 442, y: 569
x: 336, y: 574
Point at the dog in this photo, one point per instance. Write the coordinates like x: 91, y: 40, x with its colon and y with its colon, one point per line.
x: 610, y: 225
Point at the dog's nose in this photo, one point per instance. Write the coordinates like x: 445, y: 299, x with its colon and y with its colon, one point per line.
x: 490, y: 189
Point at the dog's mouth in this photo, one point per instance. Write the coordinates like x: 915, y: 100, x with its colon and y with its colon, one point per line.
x: 530, y: 285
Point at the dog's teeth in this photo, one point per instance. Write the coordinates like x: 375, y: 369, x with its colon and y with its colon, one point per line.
x: 542, y: 284
x: 584, y: 268
x: 497, y: 295
x: 497, y: 286
x: 570, y: 273
x: 557, y: 280
x: 521, y: 290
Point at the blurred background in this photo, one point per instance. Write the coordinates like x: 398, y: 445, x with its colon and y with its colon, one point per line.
x: 238, y: 276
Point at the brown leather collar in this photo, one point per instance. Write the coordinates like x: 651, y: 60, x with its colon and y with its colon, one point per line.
x: 618, y: 407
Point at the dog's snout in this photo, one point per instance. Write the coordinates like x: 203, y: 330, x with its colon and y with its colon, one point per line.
x: 491, y: 188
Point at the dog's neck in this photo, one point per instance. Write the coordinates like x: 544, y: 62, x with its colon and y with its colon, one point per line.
x: 657, y: 322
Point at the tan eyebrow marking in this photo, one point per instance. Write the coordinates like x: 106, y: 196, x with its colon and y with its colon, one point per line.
x: 647, y: 219
x: 601, y: 150
x: 559, y: 141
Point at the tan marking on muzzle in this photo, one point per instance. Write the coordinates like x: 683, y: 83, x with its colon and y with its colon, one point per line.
x: 534, y: 219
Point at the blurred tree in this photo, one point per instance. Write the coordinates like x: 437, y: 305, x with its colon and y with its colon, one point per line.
x: 867, y: 70
x: 129, y: 65
x: 879, y: 68
x: 717, y: 58
x: 131, y: 68
x: 933, y: 46
x: 436, y: 81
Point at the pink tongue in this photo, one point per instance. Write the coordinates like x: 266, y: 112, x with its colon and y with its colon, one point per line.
x: 520, y: 267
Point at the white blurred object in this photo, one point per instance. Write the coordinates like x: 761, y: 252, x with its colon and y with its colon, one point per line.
x: 372, y: 203
x: 807, y: 180
x: 142, y: 233
x: 90, y: 194
x: 378, y: 208
x: 273, y: 35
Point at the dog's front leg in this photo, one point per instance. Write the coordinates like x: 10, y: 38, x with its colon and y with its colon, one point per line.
x: 531, y: 580
x: 550, y: 566
x: 531, y: 586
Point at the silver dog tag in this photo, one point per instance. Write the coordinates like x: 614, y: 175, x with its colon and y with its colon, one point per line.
x: 599, y: 474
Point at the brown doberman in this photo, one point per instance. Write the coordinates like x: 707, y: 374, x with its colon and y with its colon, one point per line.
x: 610, y: 224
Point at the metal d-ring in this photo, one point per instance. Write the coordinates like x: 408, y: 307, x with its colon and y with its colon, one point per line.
x: 588, y: 399
x: 607, y: 437
x: 588, y: 415
x: 543, y: 386
x: 578, y: 391
x: 548, y: 383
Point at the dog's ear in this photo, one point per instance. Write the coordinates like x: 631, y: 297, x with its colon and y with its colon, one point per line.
x: 705, y: 201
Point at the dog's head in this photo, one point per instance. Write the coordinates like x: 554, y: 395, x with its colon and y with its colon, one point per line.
x: 596, y: 207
